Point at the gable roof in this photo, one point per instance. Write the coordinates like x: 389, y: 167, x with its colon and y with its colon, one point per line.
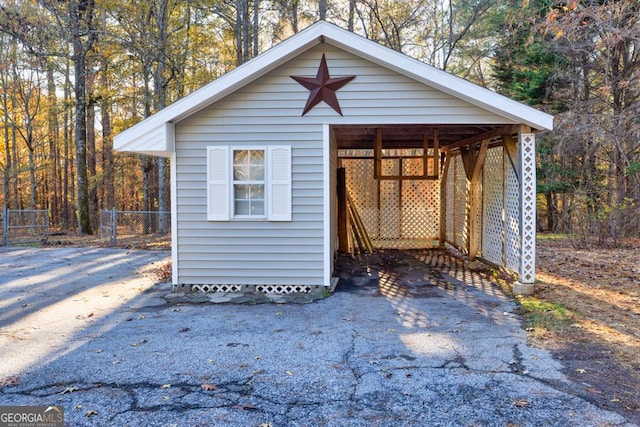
x: 153, y: 135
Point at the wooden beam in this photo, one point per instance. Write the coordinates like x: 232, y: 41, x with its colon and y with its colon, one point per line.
x: 473, y: 221
x: 343, y: 212
x: 377, y: 154
x: 436, y: 153
x: 479, y: 160
x: 443, y: 200
x: 425, y: 155
x: 509, y: 144
x: 468, y: 161
x: 482, y: 136
x: 476, y: 161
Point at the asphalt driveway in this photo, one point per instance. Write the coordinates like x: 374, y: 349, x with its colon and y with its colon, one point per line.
x: 89, y: 329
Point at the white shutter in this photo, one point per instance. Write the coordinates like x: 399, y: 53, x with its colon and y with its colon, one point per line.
x: 279, y: 183
x: 218, y: 183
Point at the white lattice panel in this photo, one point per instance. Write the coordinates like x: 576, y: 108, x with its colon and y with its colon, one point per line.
x: 364, y: 196
x: 460, y: 209
x: 389, y: 201
x: 528, y: 201
x: 421, y: 204
x: 493, y: 206
x: 512, y: 220
x: 450, y: 201
x: 409, y: 211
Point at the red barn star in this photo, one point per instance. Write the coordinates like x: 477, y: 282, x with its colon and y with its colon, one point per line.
x: 322, y: 87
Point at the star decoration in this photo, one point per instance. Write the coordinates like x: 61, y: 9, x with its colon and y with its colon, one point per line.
x: 322, y: 87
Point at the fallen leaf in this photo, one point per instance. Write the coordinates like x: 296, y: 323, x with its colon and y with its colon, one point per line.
x: 90, y: 413
x: 289, y: 373
x: 69, y: 390
x: 9, y: 381
x: 521, y: 403
x: 208, y: 387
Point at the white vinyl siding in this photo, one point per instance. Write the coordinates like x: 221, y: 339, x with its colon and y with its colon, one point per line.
x: 267, y: 113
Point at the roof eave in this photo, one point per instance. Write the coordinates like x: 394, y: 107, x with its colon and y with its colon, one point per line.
x: 224, y: 85
x: 441, y: 80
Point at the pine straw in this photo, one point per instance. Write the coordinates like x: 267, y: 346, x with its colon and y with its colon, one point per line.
x: 601, y: 347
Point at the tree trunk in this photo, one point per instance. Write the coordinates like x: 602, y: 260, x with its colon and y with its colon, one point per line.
x: 107, y: 145
x: 91, y: 152
x: 79, y: 68
x: 53, y: 147
x: 322, y: 10
x: 8, y: 165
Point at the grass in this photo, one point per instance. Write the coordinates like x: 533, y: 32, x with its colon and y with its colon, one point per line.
x: 543, y: 316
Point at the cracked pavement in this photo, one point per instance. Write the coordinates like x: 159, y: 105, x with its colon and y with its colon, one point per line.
x: 89, y: 329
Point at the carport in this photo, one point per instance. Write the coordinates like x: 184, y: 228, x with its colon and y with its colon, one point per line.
x: 458, y: 186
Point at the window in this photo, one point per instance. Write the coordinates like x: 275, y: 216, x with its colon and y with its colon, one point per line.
x: 249, y: 183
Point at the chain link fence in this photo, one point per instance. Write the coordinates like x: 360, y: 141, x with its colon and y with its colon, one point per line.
x: 118, y: 228
x: 24, y: 226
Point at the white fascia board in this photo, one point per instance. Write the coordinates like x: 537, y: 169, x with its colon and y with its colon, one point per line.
x: 223, y: 85
x: 441, y: 80
x: 158, y: 141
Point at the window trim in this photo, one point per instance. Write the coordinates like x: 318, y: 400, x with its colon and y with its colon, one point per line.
x: 233, y: 182
x: 278, y: 183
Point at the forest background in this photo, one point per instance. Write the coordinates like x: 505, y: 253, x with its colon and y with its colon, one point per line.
x: 74, y: 73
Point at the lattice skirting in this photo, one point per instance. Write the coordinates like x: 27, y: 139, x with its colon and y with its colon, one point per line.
x: 267, y: 289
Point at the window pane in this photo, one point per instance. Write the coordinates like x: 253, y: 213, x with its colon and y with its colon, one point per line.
x: 242, y: 191
x: 257, y: 165
x: 257, y: 191
x: 257, y: 172
x: 257, y: 207
x: 243, y: 207
x: 241, y: 165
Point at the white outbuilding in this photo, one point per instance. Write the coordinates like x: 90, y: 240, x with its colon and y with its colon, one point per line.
x: 260, y: 155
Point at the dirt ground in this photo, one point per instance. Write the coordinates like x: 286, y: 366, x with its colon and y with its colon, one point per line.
x: 598, y: 338
x: 590, y: 293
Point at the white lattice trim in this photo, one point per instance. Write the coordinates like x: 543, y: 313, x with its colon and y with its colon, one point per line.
x: 267, y: 289
x: 283, y: 289
x: 205, y: 289
x: 528, y: 207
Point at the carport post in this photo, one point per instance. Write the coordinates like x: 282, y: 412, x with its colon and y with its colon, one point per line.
x: 5, y: 225
x: 114, y: 228
x: 527, y: 152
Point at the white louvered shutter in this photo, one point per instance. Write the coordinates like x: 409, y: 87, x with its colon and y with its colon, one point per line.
x: 279, y: 182
x: 218, y: 183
